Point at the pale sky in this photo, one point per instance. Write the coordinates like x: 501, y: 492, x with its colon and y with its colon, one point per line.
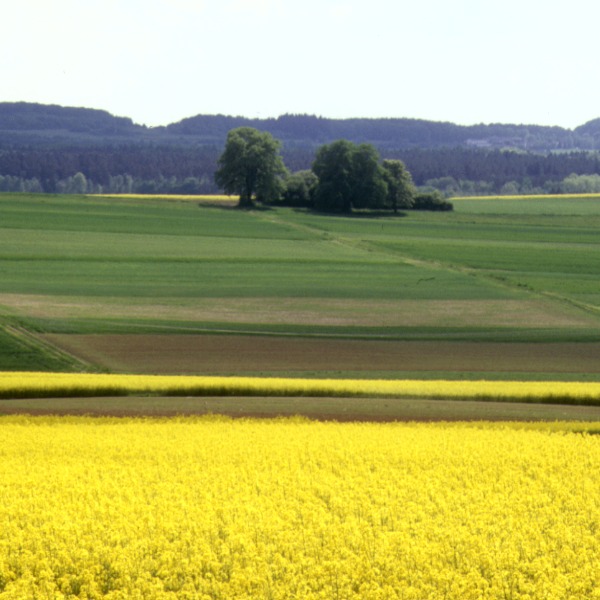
x: 159, y: 61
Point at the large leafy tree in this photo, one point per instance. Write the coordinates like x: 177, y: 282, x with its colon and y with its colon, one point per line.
x: 350, y: 176
x: 251, y: 166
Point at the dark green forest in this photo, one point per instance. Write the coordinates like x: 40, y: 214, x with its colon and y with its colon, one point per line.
x: 58, y: 149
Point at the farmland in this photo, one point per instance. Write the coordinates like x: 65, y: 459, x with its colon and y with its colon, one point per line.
x: 500, y: 289
x: 217, y: 508
x: 169, y: 308
x: 124, y: 284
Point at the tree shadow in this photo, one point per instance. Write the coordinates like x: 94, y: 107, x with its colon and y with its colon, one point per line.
x: 235, y: 207
x: 355, y: 214
x: 362, y: 214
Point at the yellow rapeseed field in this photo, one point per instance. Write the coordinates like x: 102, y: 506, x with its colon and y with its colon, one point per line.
x: 591, y: 196
x: 216, y: 508
x: 31, y: 385
x: 192, y: 197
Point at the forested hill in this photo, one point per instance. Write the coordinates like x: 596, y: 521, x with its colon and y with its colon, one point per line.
x: 23, y: 122
x: 397, y: 133
x: 46, y: 148
x: 22, y: 119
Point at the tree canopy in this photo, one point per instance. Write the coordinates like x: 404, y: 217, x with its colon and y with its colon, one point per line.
x: 251, y: 166
x: 350, y: 176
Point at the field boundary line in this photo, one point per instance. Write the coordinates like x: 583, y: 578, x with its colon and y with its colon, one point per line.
x: 193, y: 329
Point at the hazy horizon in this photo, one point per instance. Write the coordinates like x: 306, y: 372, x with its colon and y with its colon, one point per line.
x: 159, y: 61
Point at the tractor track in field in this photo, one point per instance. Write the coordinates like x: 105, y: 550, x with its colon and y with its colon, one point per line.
x: 38, y: 343
x: 493, y: 278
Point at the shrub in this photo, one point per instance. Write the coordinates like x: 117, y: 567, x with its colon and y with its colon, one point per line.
x: 431, y: 201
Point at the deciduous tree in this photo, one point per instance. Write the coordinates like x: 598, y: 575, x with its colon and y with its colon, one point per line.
x: 251, y: 166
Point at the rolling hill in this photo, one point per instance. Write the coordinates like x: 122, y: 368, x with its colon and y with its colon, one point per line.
x: 23, y: 122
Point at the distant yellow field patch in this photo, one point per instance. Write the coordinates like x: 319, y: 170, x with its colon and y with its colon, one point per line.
x: 194, y: 198
x: 530, y: 197
x: 32, y: 385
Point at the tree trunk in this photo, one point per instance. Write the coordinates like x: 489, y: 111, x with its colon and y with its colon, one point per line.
x: 245, y: 201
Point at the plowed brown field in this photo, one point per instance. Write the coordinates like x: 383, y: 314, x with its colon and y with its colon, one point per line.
x: 236, y: 354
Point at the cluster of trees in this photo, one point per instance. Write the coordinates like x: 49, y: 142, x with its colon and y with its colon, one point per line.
x: 344, y: 176
x: 352, y: 176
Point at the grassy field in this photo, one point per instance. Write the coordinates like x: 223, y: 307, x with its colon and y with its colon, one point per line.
x: 99, y: 283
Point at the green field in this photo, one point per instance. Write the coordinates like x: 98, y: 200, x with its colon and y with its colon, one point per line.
x: 74, y: 269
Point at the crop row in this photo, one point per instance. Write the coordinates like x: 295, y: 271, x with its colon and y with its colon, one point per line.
x: 33, y: 385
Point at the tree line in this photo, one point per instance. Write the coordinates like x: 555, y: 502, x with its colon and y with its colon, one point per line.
x: 110, y: 169
x: 148, y: 168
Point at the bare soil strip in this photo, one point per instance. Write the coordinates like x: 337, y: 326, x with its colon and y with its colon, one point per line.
x: 323, y: 409
x: 225, y: 354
